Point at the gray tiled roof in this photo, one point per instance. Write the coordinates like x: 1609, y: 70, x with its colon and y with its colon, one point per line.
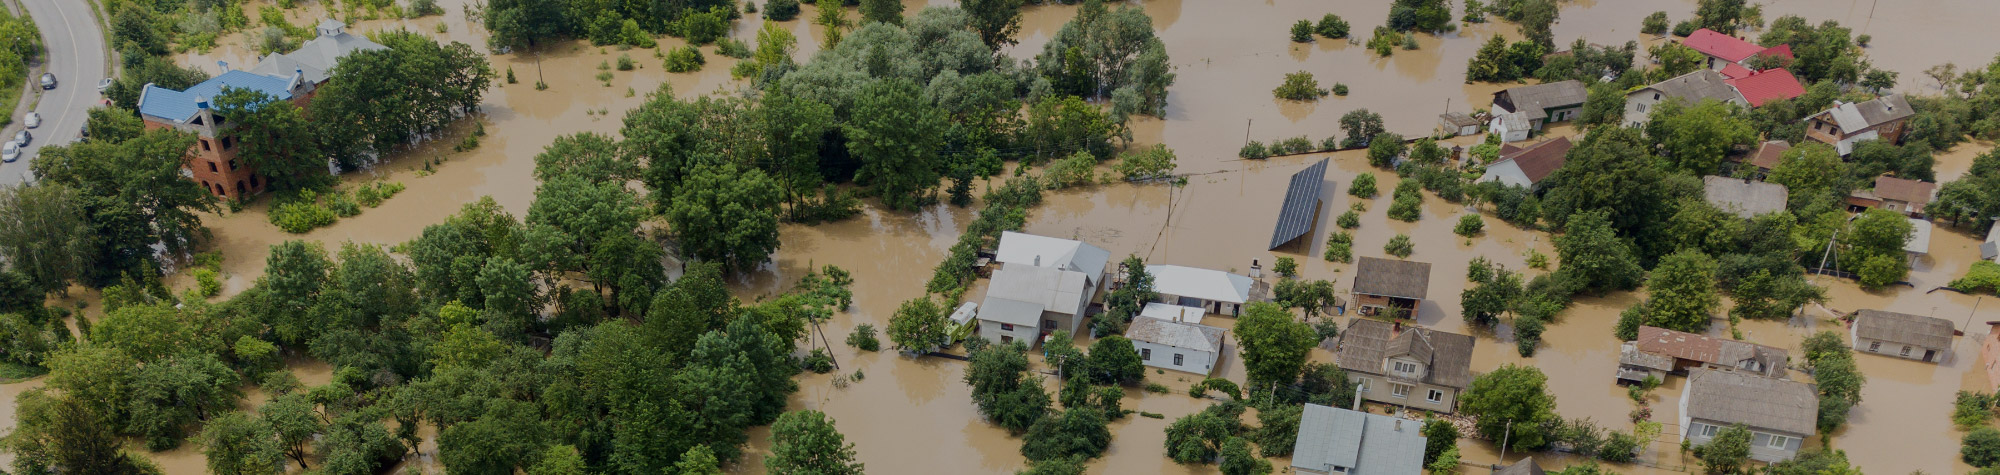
x: 1853, y: 117
x: 1537, y: 99
x: 1731, y: 397
x: 1744, y: 197
x: 1010, y: 311
x: 1393, y: 278
x: 1526, y: 466
x: 317, y: 56
x: 1362, y: 443
x: 1192, y: 336
x: 1916, y: 330
x: 1693, y: 87
x: 1366, y: 343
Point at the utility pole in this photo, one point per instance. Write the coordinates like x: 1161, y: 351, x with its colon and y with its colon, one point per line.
x: 1504, y: 439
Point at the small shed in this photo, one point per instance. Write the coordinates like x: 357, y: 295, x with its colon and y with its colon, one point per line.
x: 1744, y: 197
x: 1511, y: 126
x: 1458, y: 123
x: 1179, y: 346
x: 1920, y: 238
x: 1902, y: 335
x: 1385, y: 284
x: 1634, y: 365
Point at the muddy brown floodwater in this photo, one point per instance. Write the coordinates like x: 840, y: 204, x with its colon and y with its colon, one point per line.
x: 1228, y: 55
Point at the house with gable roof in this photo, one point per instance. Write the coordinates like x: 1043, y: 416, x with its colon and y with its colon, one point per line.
x: 1849, y: 123
x: 1723, y: 50
x: 1780, y: 414
x: 1542, y: 104
x: 1406, y: 366
x: 1177, y: 345
x: 1332, y: 440
x: 1044, y: 284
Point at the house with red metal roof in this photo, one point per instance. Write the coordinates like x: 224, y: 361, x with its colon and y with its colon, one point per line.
x: 1723, y: 50
x: 1768, y: 85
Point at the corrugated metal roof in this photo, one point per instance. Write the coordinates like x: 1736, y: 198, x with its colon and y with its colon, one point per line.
x: 1010, y: 311
x: 1043, y: 251
x: 1761, y: 403
x: 1392, y: 278
x: 1192, y: 336
x: 1743, y: 197
x: 1712, y: 43
x: 182, y: 105
x: 1357, y: 441
x: 1205, y: 284
x: 1171, y: 312
x: 1057, y: 290
x: 1301, y: 205
x: 1767, y: 85
x: 1536, y: 100
x: 1893, y: 327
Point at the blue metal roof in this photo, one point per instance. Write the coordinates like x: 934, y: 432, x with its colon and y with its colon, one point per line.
x: 181, y: 105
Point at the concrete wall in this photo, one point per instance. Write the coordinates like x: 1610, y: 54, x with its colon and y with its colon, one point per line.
x: 994, y: 332
x: 1162, y: 356
x: 1895, y: 350
x: 1378, y: 389
x: 1760, y: 440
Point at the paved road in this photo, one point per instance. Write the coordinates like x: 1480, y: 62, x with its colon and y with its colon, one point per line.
x: 76, y: 56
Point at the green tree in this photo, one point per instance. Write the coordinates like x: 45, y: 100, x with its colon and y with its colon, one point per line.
x: 1874, y: 247
x: 1198, y: 438
x: 240, y: 444
x: 524, y: 22
x: 1604, y: 105
x: 1275, y: 345
x: 1080, y: 432
x: 61, y: 434
x: 1727, y: 452
x: 1113, y: 360
x: 996, y: 21
x: 919, y: 325
x: 1278, y: 430
x: 275, y: 139
x: 1694, y: 138
x: 726, y: 215
x: 1681, y: 292
x: 1591, y: 252
x: 885, y: 11
x: 1237, y: 459
x: 1812, y: 168
x: 45, y: 235
x: 1514, y: 403
x: 1439, y: 436
x: 1719, y: 15
x: 896, y: 135
x: 296, y: 422
x: 1815, y: 462
x: 1360, y: 127
x: 1384, y: 148
x: 377, y: 100
x: 135, y: 197
x: 805, y: 442
x: 564, y: 460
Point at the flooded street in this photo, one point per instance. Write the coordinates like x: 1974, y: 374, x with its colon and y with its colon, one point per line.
x: 1228, y: 56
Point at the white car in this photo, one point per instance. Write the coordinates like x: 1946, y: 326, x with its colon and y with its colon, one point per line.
x: 34, y: 119
x: 103, y: 85
x: 10, y: 152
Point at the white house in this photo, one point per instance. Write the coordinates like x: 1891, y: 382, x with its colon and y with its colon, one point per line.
x: 1991, y: 248
x: 1044, y: 284
x: 1902, y: 335
x: 1780, y: 414
x: 1332, y: 440
x: 1179, y: 346
x: 1511, y: 126
x: 1213, y: 291
x: 1172, y: 313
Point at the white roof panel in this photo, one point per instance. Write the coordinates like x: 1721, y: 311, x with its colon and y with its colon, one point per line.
x: 1172, y: 313
x: 1043, y: 251
x: 1920, y: 237
x: 1205, y: 284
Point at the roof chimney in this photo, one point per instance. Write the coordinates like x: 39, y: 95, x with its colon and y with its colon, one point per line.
x: 200, y: 102
x: 1038, y: 260
x: 1399, y: 425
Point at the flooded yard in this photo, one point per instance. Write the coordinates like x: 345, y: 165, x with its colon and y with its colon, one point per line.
x: 916, y: 416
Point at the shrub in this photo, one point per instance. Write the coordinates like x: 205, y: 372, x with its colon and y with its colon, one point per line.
x: 1383, y: 149
x: 1339, y: 89
x: 1340, y: 247
x: 1399, y: 246
x: 1157, y: 388
x: 1299, y: 144
x: 1684, y: 28
x: 1480, y: 270
x: 1655, y: 24
x: 1146, y: 163
x: 1331, y: 26
x: 685, y: 59
x: 1349, y: 220
x: 1972, y: 409
x: 1469, y: 225
x: 733, y: 48
x: 781, y: 10
x: 818, y: 361
x: 1863, y: 40
x: 1302, y: 32
x: 1527, y: 335
x: 625, y: 62
x: 1330, y: 144
x: 1410, y: 41
x: 1076, y: 170
x: 1984, y: 276
x: 1299, y: 86
x: 1982, y: 447
x: 1406, y: 209
x: 1363, y: 185
x: 1253, y: 150
x: 343, y: 205
x: 208, y: 281
x: 863, y: 337
x: 301, y: 216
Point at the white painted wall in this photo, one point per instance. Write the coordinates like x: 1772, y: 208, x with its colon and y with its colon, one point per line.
x: 1162, y: 356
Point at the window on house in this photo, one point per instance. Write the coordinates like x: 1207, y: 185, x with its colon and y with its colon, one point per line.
x: 1006, y: 327
x: 1405, y: 367
x: 1177, y: 359
x: 1906, y: 350
x: 1146, y: 354
x: 232, y: 164
x: 1399, y: 390
x: 1779, y: 441
x: 225, y: 143
x: 1875, y: 347
x: 1705, y: 430
x: 211, y: 167
x: 204, y: 145
x: 1435, y: 396
x: 1048, y: 323
x: 1005, y: 339
x: 1656, y: 96
x: 253, y: 182
x: 1642, y: 107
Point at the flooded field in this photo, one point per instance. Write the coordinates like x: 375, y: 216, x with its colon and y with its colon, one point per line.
x: 1227, y: 55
